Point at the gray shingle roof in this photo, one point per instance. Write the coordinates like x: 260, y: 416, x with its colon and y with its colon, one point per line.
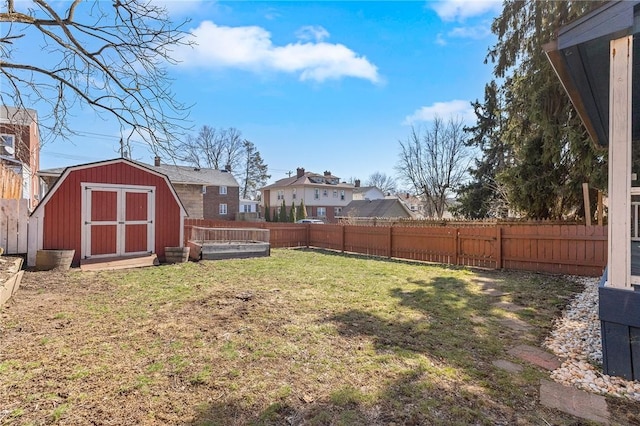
x: 376, y: 208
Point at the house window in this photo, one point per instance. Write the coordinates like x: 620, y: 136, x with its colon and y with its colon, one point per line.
x: 222, y: 209
x: 7, y: 145
x: 247, y: 208
x: 335, y: 193
x: 325, y: 193
x: 342, y: 195
x: 280, y: 194
x: 204, y: 189
x: 337, y: 211
x: 294, y: 193
x: 223, y: 190
x: 316, y: 193
x: 322, y: 212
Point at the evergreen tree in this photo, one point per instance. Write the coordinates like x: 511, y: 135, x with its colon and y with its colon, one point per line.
x: 292, y: 212
x: 283, y: 212
x: 482, y: 197
x: 267, y: 213
x: 552, y: 154
x: 254, y: 173
x: 301, y: 212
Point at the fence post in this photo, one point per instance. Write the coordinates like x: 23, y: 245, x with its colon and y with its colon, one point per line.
x: 390, y: 241
x: 342, y: 237
x: 456, y: 239
x: 498, y: 247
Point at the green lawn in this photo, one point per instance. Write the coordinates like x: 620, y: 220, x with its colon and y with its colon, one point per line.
x: 301, y: 337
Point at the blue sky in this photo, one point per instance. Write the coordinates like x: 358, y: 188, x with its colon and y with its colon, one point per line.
x: 320, y: 85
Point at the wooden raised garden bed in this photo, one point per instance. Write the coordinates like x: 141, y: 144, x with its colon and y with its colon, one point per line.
x: 228, y: 243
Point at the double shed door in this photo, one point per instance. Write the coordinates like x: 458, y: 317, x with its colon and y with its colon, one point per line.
x: 117, y: 220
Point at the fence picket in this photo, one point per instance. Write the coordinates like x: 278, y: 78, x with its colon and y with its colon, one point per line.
x: 554, y: 248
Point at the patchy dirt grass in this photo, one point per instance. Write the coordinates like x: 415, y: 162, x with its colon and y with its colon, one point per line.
x: 302, y: 337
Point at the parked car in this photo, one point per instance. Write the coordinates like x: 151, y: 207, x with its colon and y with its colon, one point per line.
x: 309, y: 221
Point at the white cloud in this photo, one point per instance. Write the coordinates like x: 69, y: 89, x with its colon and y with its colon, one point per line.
x: 440, y: 40
x: 443, y: 110
x: 459, y: 10
x: 251, y: 48
x: 312, y: 33
x: 477, y: 32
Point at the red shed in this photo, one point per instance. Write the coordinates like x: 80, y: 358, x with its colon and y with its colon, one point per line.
x: 111, y: 208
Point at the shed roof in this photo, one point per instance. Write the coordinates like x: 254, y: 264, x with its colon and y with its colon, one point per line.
x: 179, y: 175
x: 66, y: 171
x: 580, y: 57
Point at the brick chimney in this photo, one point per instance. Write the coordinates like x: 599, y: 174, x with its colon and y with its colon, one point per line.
x: 227, y: 167
x: 156, y: 161
x: 300, y: 172
x: 357, y: 183
x: 327, y: 173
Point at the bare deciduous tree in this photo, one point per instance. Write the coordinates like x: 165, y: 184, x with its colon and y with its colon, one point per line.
x: 108, y: 56
x: 384, y: 183
x: 222, y: 149
x: 213, y: 148
x: 435, y: 163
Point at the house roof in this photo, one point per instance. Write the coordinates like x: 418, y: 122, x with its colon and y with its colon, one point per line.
x: 580, y: 57
x: 310, y: 179
x: 376, y: 208
x: 184, y: 175
x: 363, y: 189
x: 66, y: 171
x: 19, y: 116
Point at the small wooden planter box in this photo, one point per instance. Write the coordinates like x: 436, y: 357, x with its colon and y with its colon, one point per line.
x: 10, y: 285
x: 57, y: 260
x: 176, y: 254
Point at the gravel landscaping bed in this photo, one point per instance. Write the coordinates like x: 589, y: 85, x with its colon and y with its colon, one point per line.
x: 576, y: 340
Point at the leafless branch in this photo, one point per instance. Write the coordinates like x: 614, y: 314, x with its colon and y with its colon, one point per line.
x: 109, y: 56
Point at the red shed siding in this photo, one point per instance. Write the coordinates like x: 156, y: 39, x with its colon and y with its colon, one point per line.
x: 62, y: 215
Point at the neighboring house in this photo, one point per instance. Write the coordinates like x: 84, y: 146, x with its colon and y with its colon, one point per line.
x: 205, y: 193
x: 249, y: 211
x: 389, y: 208
x: 366, y: 192
x: 414, y: 204
x: 20, y: 149
x: 249, y: 206
x: 324, y: 195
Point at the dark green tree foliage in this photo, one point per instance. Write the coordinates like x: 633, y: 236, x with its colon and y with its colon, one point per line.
x: 254, y: 172
x: 552, y: 155
x: 267, y: 213
x: 283, y: 212
x: 301, y: 212
x: 292, y: 212
x: 483, y: 196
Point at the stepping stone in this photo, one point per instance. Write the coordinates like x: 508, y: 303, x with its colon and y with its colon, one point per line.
x: 515, y: 324
x: 508, y: 306
x: 535, y: 356
x: 574, y: 401
x: 509, y: 366
x: 493, y: 292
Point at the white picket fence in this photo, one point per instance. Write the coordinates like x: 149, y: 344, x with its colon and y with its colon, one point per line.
x: 14, y: 221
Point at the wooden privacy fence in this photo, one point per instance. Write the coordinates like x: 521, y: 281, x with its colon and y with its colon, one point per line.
x: 10, y: 184
x: 561, y: 249
x: 14, y: 218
